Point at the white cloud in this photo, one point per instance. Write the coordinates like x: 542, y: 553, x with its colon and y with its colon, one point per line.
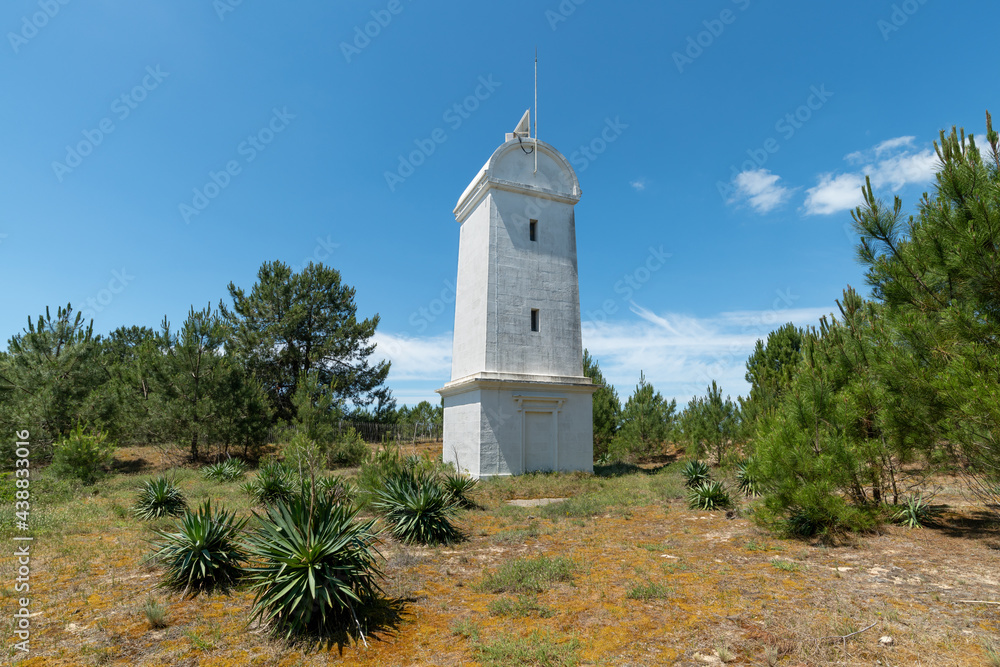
x: 639, y: 185
x: 760, y: 188
x: 891, y: 164
x: 834, y: 193
x: 415, y: 358
x: 900, y: 170
x: 892, y: 144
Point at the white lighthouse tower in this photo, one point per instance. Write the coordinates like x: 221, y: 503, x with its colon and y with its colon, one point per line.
x: 518, y: 400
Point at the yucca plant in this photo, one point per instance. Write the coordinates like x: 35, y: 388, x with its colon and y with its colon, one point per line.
x: 748, y: 483
x: 158, y: 498
x: 336, y: 488
x: 709, y: 496
x: 225, y: 471
x: 417, y: 508
x: 695, y: 473
x: 459, y: 487
x: 914, y: 512
x: 272, y: 483
x: 204, y: 553
x: 316, y: 565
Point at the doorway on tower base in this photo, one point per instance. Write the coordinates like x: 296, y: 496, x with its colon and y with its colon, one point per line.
x: 539, y: 431
x: 540, y: 438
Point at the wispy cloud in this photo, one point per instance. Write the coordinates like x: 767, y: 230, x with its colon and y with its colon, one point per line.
x: 760, y: 188
x: 679, y: 353
x: 891, y: 164
x: 639, y: 184
x: 415, y: 358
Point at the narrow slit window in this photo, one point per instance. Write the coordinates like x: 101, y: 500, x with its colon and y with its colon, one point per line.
x: 533, y: 230
x: 534, y: 319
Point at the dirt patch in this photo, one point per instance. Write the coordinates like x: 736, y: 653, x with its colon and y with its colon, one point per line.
x: 534, y: 502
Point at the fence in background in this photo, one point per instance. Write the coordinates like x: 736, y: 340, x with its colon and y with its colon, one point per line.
x: 374, y: 432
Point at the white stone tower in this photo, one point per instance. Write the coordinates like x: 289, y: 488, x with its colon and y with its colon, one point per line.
x: 518, y: 400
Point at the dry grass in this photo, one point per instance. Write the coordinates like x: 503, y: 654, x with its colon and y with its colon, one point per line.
x: 652, y: 583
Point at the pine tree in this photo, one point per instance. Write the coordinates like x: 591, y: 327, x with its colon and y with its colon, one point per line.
x: 938, y: 274
x: 647, y: 422
x: 607, y: 407
x: 48, y: 374
x: 292, y: 324
x: 710, y: 423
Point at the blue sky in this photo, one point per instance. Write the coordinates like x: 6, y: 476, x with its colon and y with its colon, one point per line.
x: 154, y: 152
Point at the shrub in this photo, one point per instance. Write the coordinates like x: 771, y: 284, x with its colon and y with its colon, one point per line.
x: 273, y: 482
x: 458, y: 487
x: 348, y: 450
x: 159, y: 497
x: 203, y: 554
x: 229, y: 470
x: 709, y: 496
x: 696, y: 473
x: 83, y: 455
x: 417, y: 508
x: 316, y: 564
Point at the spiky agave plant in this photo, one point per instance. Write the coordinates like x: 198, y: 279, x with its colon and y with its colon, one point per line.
x: 272, y: 483
x: 417, y: 508
x: 203, y: 554
x: 336, y: 488
x: 316, y: 565
x: 459, y: 487
x: 158, y: 498
x: 914, y: 512
x: 695, y: 473
x: 747, y: 481
x: 709, y: 496
x: 225, y: 471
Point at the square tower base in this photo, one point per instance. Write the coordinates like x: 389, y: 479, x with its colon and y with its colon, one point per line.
x: 499, y: 424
